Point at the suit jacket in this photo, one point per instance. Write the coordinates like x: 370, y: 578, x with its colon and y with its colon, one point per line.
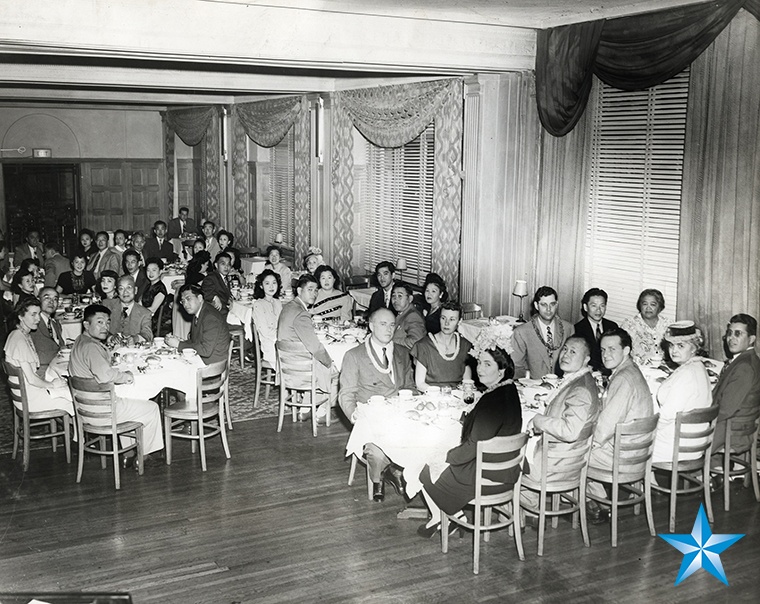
x: 141, y: 283
x: 736, y: 393
x: 627, y: 398
x: 56, y: 266
x: 410, y: 327
x: 214, y: 285
x: 530, y: 353
x: 359, y: 379
x: 209, y: 335
x: 574, y: 406
x: 378, y: 301
x: 22, y: 253
x: 174, y: 229
x: 294, y: 325
x: 111, y: 261
x: 137, y: 323
x: 583, y: 328
x: 153, y: 250
x: 47, y: 347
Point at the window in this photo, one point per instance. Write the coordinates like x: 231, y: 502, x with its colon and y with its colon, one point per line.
x: 282, y: 189
x: 399, y: 205
x: 635, y: 193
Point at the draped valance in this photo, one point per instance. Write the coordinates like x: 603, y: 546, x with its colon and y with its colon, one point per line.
x: 267, y: 122
x: 190, y: 124
x: 630, y: 53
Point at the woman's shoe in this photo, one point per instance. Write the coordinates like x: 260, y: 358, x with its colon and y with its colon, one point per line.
x: 426, y: 532
x: 128, y: 461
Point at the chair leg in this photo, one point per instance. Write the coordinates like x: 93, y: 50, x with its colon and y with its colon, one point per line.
x: 16, y: 426
x: 201, y: 443
x: 555, y: 506
x: 648, y: 502
x: 140, y: 456
x: 673, y: 489
x: 444, y: 532
x: 314, y: 412
x: 726, y: 479
x: 103, y: 461
x: 516, y: 515
x: 541, y: 522
x: 258, y: 383
x: 706, y: 489
x: 476, y: 541
x: 53, y: 428
x: 369, y: 483
x: 223, y: 432
x: 487, y: 522
x: 615, y: 501
x: 116, y: 464
x: 194, y: 434
x: 168, y: 440
x: 67, y: 437
x: 352, y: 471
x: 27, y: 442
x: 281, y: 414
x: 582, y: 511
x: 80, y: 461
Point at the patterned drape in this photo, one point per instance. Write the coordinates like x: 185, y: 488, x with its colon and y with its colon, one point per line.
x: 267, y: 122
x: 191, y: 124
x: 211, y: 171
x: 169, y: 133
x: 241, y: 222
x: 390, y: 116
x: 302, y: 181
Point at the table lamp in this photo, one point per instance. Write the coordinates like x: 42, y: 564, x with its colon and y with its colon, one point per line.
x: 278, y: 238
x: 520, y: 290
x: 400, y: 268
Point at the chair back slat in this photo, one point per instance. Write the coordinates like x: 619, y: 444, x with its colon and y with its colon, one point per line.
x: 574, y: 457
x: 296, y: 365
x: 633, y: 447
x: 17, y: 386
x: 93, y: 402
x: 499, y: 453
x: 683, y: 442
x: 211, y: 382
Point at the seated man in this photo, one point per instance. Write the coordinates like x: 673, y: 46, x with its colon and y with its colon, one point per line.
x: 212, y: 245
x: 295, y: 325
x: 209, y: 335
x: 159, y: 246
x: 376, y: 368
x: 181, y: 225
x: 593, y: 325
x: 537, y: 343
x: 105, y: 258
x: 31, y: 248
x: 738, y: 389
x: 130, y: 262
x: 410, y: 325
x: 91, y: 359
x: 48, y: 337
x: 627, y: 398
x: 574, y: 405
x: 129, y: 320
x: 55, y: 264
x: 216, y: 285
x: 385, y: 273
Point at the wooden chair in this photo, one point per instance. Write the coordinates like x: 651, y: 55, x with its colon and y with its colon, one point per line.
x: 357, y: 282
x: 631, y: 470
x: 697, y: 442
x: 497, y: 454
x: 352, y: 472
x: 24, y: 421
x: 265, y: 373
x: 211, y: 383
x: 297, y: 377
x: 739, y: 462
x: 237, y: 333
x: 227, y: 411
x: 162, y: 320
x: 570, y: 462
x: 94, y: 403
x: 471, y: 310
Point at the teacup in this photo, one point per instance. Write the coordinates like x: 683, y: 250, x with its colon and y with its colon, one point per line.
x: 189, y: 353
x: 434, y: 391
x: 153, y: 362
x: 404, y: 393
x: 159, y: 342
x: 376, y: 400
x: 552, y: 378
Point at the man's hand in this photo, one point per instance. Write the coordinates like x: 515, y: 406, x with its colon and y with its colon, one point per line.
x: 217, y: 303
x: 172, y: 340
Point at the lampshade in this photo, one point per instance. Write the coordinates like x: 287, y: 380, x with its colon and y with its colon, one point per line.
x: 401, y: 264
x: 278, y: 238
x: 520, y: 288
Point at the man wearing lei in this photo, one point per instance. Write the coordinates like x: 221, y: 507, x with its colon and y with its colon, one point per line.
x: 537, y: 343
x: 442, y: 357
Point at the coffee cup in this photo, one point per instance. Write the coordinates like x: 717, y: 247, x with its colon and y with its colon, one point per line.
x: 376, y: 400
x: 404, y: 393
x: 159, y: 342
x: 189, y: 353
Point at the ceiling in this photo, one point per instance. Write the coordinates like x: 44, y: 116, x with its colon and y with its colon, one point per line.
x: 175, y: 52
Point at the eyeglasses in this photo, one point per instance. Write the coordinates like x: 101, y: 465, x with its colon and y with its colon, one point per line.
x: 737, y: 333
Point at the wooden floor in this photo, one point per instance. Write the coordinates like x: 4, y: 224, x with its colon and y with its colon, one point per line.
x: 277, y: 523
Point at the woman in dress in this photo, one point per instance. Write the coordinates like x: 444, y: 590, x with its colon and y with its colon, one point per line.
x: 77, y: 280
x: 274, y: 262
x: 106, y: 287
x: 313, y: 260
x: 199, y: 245
x: 20, y: 352
x: 22, y: 285
x: 86, y: 248
x: 434, y: 295
x: 686, y: 389
x: 442, y: 357
x: 497, y: 413
x: 331, y: 303
x: 225, y: 239
x: 155, y: 295
x: 647, y: 327
x: 198, y: 268
x: 266, y: 311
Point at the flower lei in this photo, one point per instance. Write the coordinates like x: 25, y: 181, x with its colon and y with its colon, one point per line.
x: 559, y: 338
x: 499, y: 334
x: 371, y: 355
x: 442, y: 352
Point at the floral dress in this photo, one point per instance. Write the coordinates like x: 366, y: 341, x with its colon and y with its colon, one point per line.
x: 646, y: 340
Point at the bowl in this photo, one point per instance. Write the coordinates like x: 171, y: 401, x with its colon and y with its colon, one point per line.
x: 349, y: 339
x: 153, y: 362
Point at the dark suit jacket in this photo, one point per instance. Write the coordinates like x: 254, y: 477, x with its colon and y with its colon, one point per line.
x: 43, y: 340
x: 153, y: 250
x: 736, y: 393
x: 378, y: 301
x: 141, y: 283
x: 214, y: 285
x: 137, y: 323
x: 175, y: 228
x: 209, y: 335
x: 56, y: 266
x: 583, y: 328
x: 22, y: 253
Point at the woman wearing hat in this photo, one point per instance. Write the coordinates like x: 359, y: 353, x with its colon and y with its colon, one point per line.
x: 313, y: 260
x: 686, y: 389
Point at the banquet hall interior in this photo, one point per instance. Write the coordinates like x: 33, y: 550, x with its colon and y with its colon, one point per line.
x: 478, y: 140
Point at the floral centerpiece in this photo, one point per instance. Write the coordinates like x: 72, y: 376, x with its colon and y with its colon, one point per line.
x: 496, y: 334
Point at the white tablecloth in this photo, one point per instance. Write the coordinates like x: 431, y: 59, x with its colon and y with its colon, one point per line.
x: 241, y: 313
x: 252, y: 266
x: 167, y: 279
x: 337, y: 350
x: 362, y: 296
x: 471, y: 327
x: 72, y: 329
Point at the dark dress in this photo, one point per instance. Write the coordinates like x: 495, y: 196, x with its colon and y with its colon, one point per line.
x: 71, y: 285
x: 441, y: 372
x: 497, y: 413
x: 153, y: 290
x: 432, y: 319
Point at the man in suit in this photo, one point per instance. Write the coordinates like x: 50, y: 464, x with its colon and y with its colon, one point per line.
x: 105, y: 259
x: 385, y: 273
x: 574, y: 405
x: 129, y: 320
x: 627, y: 398
x: 159, y: 246
x: 209, y: 334
x: 55, y: 264
x: 593, y: 325
x: 295, y: 325
x: 378, y: 367
x: 91, y: 359
x: 130, y: 262
x: 181, y: 225
x: 410, y: 325
x: 537, y: 343
x: 31, y: 248
x: 48, y: 337
x: 216, y: 285
x: 138, y: 245
x: 737, y: 392
x: 212, y: 245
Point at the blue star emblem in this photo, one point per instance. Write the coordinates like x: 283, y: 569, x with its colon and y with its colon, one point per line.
x: 701, y: 549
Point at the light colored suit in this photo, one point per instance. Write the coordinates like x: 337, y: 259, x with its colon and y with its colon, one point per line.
x: 23, y: 252
x: 110, y: 261
x: 294, y: 325
x: 137, y: 323
x: 736, y: 393
x: 530, y: 353
x: 410, y: 327
x: 54, y: 267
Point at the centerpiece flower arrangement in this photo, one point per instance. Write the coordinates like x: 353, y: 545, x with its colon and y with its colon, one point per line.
x: 496, y: 334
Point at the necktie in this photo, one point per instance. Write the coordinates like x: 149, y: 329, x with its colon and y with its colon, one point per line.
x: 598, y: 332
x: 549, y: 337
x: 385, y: 359
x: 53, y: 331
x: 34, y: 254
x: 124, y: 313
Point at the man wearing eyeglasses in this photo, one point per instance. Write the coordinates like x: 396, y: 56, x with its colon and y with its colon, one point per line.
x: 209, y: 335
x: 48, y: 337
x: 129, y: 320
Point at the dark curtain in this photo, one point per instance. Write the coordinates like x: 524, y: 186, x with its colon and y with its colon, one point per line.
x: 632, y: 53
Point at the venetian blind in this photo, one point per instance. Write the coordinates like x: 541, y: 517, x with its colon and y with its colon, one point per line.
x: 399, y: 204
x: 282, y: 189
x: 635, y: 193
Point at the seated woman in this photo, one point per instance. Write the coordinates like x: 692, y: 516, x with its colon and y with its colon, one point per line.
x: 20, y: 352
x: 198, y: 268
x: 225, y: 239
x: 429, y: 304
x: 86, y: 248
x: 442, y: 357
x: 106, y: 287
x: 266, y: 311
x: 77, y: 280
x: 155, y: 295
x: 30, y: 265
x: 647, y: 327
x: 313, y: 260
x: 199, y: 245
x: 22, y: 286
x: 686, y: 389
x: 331, y: 301
x: 497, y: 413
x: 274, y: 257
x: 187, y: 251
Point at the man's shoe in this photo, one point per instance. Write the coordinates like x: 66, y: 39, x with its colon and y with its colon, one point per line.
x: 597, y: 515
x: 378, y: 491
x: 716, y: 483
x: 128, y: 461
x: 393, y: 475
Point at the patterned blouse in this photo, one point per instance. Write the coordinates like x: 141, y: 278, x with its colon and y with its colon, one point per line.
x: 336, y: 304
x: 646, y: 340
